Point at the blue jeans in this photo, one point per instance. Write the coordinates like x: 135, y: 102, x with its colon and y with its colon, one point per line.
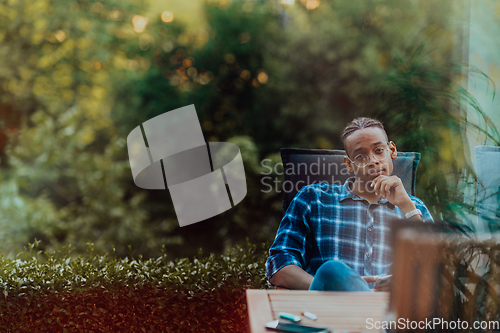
x: 336, y: 276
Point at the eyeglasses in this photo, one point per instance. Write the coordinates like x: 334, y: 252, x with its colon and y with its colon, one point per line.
x: 362, y: 160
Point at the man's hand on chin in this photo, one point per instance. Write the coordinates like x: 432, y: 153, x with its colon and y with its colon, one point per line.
x: 392, y: 188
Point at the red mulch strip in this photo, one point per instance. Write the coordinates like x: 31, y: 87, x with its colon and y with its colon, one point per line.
x: 125, y: 309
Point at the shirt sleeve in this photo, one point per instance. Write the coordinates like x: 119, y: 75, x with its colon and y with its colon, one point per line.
x: 426, y: 215
x: 292, y: 245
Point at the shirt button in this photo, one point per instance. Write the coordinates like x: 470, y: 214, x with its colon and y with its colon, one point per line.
x: 369, y: 229
x: 368, y: 255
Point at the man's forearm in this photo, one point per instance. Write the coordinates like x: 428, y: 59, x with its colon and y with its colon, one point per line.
x: 292, y: 277
x: 408, y: 207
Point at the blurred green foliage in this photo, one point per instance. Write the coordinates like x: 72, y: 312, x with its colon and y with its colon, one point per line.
x: 64, y: 177
x: 76, y: 77
x: 425, y: 107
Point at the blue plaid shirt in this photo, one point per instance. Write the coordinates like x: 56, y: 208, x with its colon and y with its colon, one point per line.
x: 325, y: 222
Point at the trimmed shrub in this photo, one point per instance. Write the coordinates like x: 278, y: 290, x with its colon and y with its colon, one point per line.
x: 103, y: 293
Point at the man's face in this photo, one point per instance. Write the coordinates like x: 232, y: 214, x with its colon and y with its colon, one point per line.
x: 369, y: 141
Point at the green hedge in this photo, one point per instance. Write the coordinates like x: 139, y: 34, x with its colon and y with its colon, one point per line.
x: 101, y: 293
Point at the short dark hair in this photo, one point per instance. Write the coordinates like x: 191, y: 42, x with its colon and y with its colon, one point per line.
x: 358, y: 124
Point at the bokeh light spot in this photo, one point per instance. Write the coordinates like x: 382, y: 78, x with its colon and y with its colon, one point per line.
x: 60, y: 35
x: 132, y: 64
x: 205, y: 77
x: 96, y: 8
x: 175, y: 80
x: 191, y: 72
x: 145, y: 41
x: 186, y: 86
x: 167, y: 16
x: 181, y: 71
x: 244, y: 37
x: 247, y: 7
x: 96, y: 65
x: 188, y: 62
x: 245, y: 74
x: 312, y: 4
x: 115, y: 15
x: 262, y: 77
x: 229, y: 58
x: 223, y: 3
x: 139, y: 23
x: 167, y: 46
x: 207, y: 125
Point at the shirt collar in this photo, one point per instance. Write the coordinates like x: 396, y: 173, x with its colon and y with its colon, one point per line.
x: 347, y: 193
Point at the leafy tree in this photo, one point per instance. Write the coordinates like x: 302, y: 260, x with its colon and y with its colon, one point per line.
x: 221, y: 72
x: 76, y: 77
x: 426, y: 109
x: 64, y: 179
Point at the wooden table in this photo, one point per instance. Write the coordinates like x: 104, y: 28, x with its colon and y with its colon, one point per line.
x: 339, y: 311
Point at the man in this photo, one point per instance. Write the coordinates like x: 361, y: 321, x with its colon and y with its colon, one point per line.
x: 336, y: 237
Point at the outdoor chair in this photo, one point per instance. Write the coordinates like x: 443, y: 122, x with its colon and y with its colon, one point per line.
x: 418, y: 289
x: 488, y: 189
x: 309, y: 166
x: 442, y: 274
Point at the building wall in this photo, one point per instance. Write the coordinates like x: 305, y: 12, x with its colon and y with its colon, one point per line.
x: 484, y: 54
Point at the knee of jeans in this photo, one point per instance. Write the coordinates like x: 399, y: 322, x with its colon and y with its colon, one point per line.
x: 332, y: 268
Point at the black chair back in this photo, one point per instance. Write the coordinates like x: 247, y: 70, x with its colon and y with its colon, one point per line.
x: 309, y: 166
